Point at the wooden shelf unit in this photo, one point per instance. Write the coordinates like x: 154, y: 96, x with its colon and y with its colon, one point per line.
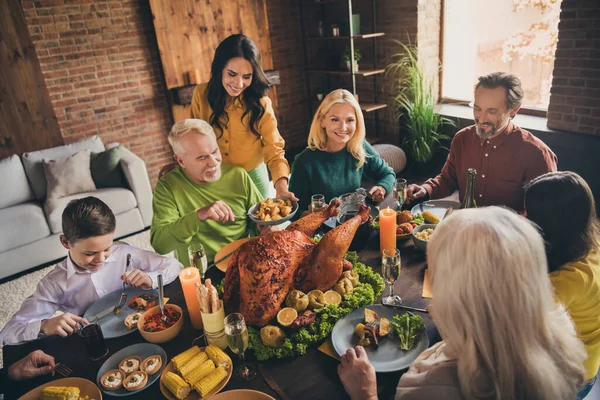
x: 361, y: 36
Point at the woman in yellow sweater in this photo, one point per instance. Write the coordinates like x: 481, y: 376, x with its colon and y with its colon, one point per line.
x: 234, y: 103
x: 562, y: 204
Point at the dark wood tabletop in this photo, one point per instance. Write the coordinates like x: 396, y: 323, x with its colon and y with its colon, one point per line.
x: 312, y: 376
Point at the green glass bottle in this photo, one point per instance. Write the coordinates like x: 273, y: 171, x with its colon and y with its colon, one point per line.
x: 469, y: 200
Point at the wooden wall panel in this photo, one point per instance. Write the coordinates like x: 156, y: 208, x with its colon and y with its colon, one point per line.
x: 27, y: 119
x: 189, y: 31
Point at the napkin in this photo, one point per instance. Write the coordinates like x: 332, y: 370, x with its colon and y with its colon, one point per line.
x: 426, y: 286
x: 327, y: 348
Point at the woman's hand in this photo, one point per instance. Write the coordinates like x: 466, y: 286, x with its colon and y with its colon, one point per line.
x: 281, y: 188
x: 358, y: 375
x: 377, y: 194
x: 34, y: 364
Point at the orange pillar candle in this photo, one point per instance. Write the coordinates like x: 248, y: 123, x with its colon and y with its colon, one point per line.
x: 387, y: 228
x: 189, y: 277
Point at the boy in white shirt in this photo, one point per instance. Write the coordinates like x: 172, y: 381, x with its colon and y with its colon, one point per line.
x: 93, y: 268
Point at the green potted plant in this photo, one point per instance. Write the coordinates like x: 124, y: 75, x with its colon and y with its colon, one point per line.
x: 346, y: 58
x: 414, y: 105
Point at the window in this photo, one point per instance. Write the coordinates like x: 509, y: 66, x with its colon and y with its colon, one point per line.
x: 483, y: 36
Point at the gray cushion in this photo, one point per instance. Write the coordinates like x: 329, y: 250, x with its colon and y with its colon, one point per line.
x: 67, y: 176
x: 33, y: 161
x: 12, y: 175
x: 22, y: 224
x: 118, y: 199
x: 394, y: 156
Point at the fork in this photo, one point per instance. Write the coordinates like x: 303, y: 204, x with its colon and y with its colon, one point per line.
x: 62, y: 370
x: 123, y: 297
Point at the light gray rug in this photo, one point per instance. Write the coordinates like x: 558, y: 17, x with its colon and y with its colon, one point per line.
x: 17, y: 290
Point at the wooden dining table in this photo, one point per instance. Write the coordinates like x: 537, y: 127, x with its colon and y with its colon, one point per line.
x: 312, y: 376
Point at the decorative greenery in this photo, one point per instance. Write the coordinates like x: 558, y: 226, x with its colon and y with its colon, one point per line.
x: 296, y: 344
x: 346, y: 55
x: 415, y: 102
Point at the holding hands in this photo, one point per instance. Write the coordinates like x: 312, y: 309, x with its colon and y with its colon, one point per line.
x: 62, y: 325
x: 377, y: 194
x: 34, y: 364
x: 358, y: 375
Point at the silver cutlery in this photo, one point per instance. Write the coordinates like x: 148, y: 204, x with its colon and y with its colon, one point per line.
x: 62, y: 370
x: 123, y: 297
x: 161, y: 300
x: 421, y: 310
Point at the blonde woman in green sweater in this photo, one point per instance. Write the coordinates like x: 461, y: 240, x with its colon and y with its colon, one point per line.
x: 338, y: 157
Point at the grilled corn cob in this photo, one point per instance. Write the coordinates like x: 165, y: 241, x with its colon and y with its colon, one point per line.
x: 180, y: 359
x: 218, y: 356
x: 210, y: 381
x: 193, y: 364
x: 60, y: 393
x: 430, y: 217
x: 176, y: 385
x: 200, y: 372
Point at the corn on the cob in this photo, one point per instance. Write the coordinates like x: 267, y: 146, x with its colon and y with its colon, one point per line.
x: 200, y: 372
x: 210, y: 381
x: 193, y: 364
x: 176, y: 385
x: 430, y: 217
x: 180, y: 359
x: 60, y: 393
x: 219, y: 357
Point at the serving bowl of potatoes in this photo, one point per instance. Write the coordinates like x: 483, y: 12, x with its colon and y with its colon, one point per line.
x: 273, y: 211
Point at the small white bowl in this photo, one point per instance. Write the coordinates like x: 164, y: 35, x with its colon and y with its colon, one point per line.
x: 421, y: 244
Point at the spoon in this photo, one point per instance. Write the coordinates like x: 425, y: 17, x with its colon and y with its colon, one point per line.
x: 161, y: 300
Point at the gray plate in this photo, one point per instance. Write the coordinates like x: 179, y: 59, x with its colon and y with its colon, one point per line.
x: 437, y: 207
x: 276, y: 222
x: 113, y: 325
x: 142, y: 350
x: 388, y: 357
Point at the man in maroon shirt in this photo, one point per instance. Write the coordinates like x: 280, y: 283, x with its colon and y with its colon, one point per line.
x: 505, y: 156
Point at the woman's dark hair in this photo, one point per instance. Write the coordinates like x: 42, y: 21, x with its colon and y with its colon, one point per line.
x: 87, y: 217
x: 563, y: 206
x: 234, y: 46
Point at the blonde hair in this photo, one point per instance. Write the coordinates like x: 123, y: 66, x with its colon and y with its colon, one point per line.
x: 494, y: 307
x: 182, y: 128
x: 317, y: 138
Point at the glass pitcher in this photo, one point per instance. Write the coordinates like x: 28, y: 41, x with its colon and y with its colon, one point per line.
x: 350, y: 204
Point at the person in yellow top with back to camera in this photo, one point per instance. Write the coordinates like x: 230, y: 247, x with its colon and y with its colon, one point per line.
x: 562, y: 205
x: 234, y: 102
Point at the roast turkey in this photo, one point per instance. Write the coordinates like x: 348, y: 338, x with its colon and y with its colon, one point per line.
x: 265, y: 269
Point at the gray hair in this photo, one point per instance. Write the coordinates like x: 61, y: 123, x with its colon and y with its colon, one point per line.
x: 512, y: 84
x: 182, y: 128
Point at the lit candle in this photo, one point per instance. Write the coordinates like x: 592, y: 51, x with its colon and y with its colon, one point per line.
x: 387, y: 228
x: 188, y: 278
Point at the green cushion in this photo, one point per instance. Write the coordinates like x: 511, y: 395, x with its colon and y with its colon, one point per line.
x: 106, y: 168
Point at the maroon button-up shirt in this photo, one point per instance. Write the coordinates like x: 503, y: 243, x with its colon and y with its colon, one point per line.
x: 504, y: 165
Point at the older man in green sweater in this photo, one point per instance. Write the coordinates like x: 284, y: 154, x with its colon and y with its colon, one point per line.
x: 200, y: 201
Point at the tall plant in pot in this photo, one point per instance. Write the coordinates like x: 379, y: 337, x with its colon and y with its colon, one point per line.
x: 414, y: 105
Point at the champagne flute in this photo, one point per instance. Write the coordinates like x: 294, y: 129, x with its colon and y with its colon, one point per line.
x: 197, y: 256
x: 390, y: 268
x: 400, y: 192
x: 317, y: 203
x: 237, y: 339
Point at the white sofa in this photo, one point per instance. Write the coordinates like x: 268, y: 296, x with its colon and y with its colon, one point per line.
x: 29, y: 229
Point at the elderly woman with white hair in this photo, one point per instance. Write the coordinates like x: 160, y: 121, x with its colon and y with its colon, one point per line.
x: 504, y: 336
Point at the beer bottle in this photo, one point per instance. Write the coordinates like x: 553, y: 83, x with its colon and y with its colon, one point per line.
x: 469, y: 200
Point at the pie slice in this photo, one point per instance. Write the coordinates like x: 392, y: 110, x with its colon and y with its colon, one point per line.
x: 135, y: 381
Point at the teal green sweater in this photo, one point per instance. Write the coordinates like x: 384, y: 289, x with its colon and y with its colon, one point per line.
x: 333, y: 174
x: 176, y: 199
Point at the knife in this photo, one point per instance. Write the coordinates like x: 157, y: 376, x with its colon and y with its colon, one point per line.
x: 104, y: 313
x: 225, y: 257
x: 271, y: 382
x: 421, y: 310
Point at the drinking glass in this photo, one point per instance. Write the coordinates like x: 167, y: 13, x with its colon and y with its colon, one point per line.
x: 400, y: 192
x: 237, y: 339
x: 317, y: 203
x: 93, y: 339
x: 197, y: 257
x: 390, y: 268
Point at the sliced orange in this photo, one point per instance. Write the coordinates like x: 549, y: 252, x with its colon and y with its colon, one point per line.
x: 286, y: 316
x: 332, y: 297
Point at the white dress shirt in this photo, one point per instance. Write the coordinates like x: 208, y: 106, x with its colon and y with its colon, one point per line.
x: 66, y: 288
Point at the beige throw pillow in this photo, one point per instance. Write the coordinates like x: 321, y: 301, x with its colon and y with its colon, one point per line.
x: 67, y: 176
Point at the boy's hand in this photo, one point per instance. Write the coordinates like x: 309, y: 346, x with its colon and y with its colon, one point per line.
x: 137, y: 278
x: 62, y: 325
x: 34, y: 364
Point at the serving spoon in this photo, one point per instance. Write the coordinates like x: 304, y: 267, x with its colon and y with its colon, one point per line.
x: 161, y: 300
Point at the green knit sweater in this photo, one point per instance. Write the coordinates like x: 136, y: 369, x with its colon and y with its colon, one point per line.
x: 333, y: 174
x: 176, y: 199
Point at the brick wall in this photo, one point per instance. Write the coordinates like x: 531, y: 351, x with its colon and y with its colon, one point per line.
x: 428, y: 40
x: 575, y: 94
x: 102, y: 69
